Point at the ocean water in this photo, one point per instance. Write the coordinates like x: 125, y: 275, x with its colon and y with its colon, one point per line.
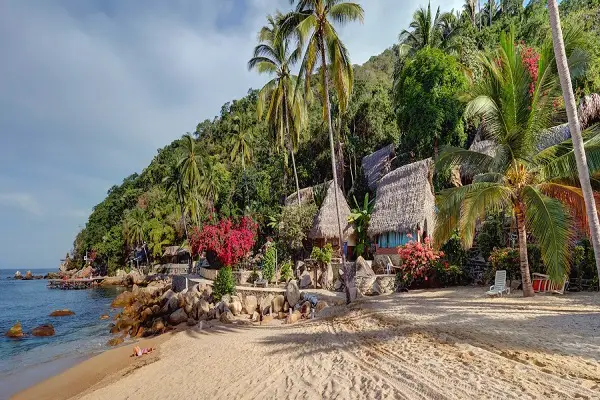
x: 26, y: 361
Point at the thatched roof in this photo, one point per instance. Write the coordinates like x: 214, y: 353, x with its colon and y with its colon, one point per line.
x: 589, y: 114
x: 487, y: 147
x: 172, y: 251
x: 306, y: 196
x: 552, y: 136
x: 589, y: 110
x: 405, y: 200
x: 377, y: 164
x: 325, y: 225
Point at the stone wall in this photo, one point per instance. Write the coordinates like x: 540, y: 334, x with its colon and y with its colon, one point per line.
x: 208, y: 273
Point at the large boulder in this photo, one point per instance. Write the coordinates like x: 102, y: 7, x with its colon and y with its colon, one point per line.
x: 113, y: 281
x: 173, y: 303
x: 203, y: 306
x: 28, y: 276
x: 293, y: 317
x: 250, y: 304
x: 306, y: 280
x: 158, y: 326
x: 120, y: 273
x: 326, y: 279
x: 235, y: 306
x: 123, y: 300
x: 363, y: 268
x: 43, y: 330
x: 321, y: 305
x: 178, y: 317
x: 265, y: 304
x: 115, y: 341
x: 136, y: 278
x: 167, y: 295
x: 61, y: 313
x: 226, y: 317
x: 18, y: 275
x: 16, y: 331
x: 292, y: 293
x: 277, y: 304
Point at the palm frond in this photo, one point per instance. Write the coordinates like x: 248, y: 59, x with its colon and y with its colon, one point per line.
x: 572, y: 198
x: 547, y: 219
x: 342, y: 13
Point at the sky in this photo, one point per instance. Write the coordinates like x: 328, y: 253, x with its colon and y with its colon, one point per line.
x: 90, y: 89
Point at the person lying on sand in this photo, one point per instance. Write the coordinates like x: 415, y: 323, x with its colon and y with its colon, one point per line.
x: 138, y: 352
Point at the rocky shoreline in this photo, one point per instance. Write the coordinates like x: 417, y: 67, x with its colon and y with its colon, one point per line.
x: 156, y: 308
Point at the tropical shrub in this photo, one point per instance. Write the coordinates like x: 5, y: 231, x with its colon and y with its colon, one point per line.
x: 417, y: 261
x: 230, y: 242
x: 446, y: 274
x: 224, y: 284
x: 269, y: 262
x: 491, y: 235
x: 507, y: 259
x: 361, y: 217
x: 454, y: 253
x: 293, y: 225
x: 286, y: 271
x: 322, y: 255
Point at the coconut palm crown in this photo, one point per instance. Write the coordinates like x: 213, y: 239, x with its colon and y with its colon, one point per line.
x: 285, y: 107
x: 537, y: 183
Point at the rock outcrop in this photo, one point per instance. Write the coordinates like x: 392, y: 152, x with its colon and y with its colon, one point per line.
x: 61, y: 313
x: 43, y: 330
x: 16, y: 331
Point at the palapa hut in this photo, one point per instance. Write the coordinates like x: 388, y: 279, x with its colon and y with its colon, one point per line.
x: 176, y: 255
x: 306, y: 196
x: 377, y: 164
x: 404, y: 207
x: 325, y: 225
x: 487, y: 147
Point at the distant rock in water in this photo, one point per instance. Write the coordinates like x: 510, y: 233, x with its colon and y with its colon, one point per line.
x: 28, y: 276
x: 18, y: 275
x: 103, y: 317
x: 43, y: 330
x: 15, y: 332
x: 52, y: 275
x: 61, y: 313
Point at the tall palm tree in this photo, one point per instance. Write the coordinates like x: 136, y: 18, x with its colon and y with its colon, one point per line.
x: 523, y: 177
x: 575, y: 128
x: 242, y: 139
x: 470, y: 9
x: 134, y: 226
x: 313, y: 22
x: 174, y: 183
x: 286, y: 113
x: 189, y: 164
x: 428, y: 30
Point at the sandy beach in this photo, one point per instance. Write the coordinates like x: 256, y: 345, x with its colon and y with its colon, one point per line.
x: 436, y: 344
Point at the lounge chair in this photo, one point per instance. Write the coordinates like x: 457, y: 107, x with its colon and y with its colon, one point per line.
x: 499, y: 286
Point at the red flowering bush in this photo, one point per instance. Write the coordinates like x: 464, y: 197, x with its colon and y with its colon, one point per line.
x: 530, y: 59
x: 417, y: 261
x: 230, y: 242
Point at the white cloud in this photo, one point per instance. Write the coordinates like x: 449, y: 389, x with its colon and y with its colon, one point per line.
x: 20, y: 201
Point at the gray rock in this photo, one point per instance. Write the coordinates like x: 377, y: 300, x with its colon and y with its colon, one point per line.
x: 277, y: 304
x: 250, y: 304
x: 265, y: 304
x: 235, y: 306
x: 173, y: 303
x: 292, y: 293
x: 226, y: 299
x: 306, y: 280
x: 226, y: 317
x: 178, y: 317
x: 255, y: 316
x: 321, y: 305
x: 326, y: 279
x: 167, y: 295
x: 363, y: 268
x: 191, y: 322
x: 203, y: 306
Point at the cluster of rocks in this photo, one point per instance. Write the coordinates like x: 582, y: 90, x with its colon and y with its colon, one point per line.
x: 134, y: 277
x: 157, y: 308
x: 306, y: 272
x: 16, y: 331
x: 27, y: 277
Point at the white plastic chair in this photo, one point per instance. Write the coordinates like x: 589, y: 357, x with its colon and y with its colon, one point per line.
x: 499, y: 286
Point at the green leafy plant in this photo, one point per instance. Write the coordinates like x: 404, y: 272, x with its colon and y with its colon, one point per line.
x: 361, y: 217
x: 224, y: 284
x: 323, y: 254
x: 269, y: 263
x: 286, y: 271
x: 504, y: 259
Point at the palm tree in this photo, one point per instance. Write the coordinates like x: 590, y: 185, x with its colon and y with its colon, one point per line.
x: 134, y: 226
x: 427, y: 30
x: 470, y: 9
x: 174, y: 183
x: 189, y: 164
x: 536, y: 184
x: 242, y: 139
x: 286, y: 108
x: 575, y: 128
x: 313, y: 22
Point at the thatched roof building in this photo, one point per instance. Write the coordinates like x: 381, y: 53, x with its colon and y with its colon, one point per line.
x: 306, y: 196
x: 325, y: 225
x: 377, y: 164
x: 405, y: 203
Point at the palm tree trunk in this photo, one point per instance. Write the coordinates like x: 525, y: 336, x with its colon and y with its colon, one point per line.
x: 524, y: 263
x: 578, y: 149
x: 347, y: 281
x: 490, y: 10
x: 183, y: 219
x: 289, y: 138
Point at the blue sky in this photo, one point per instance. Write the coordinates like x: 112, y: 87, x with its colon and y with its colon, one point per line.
x: 89, y: 89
